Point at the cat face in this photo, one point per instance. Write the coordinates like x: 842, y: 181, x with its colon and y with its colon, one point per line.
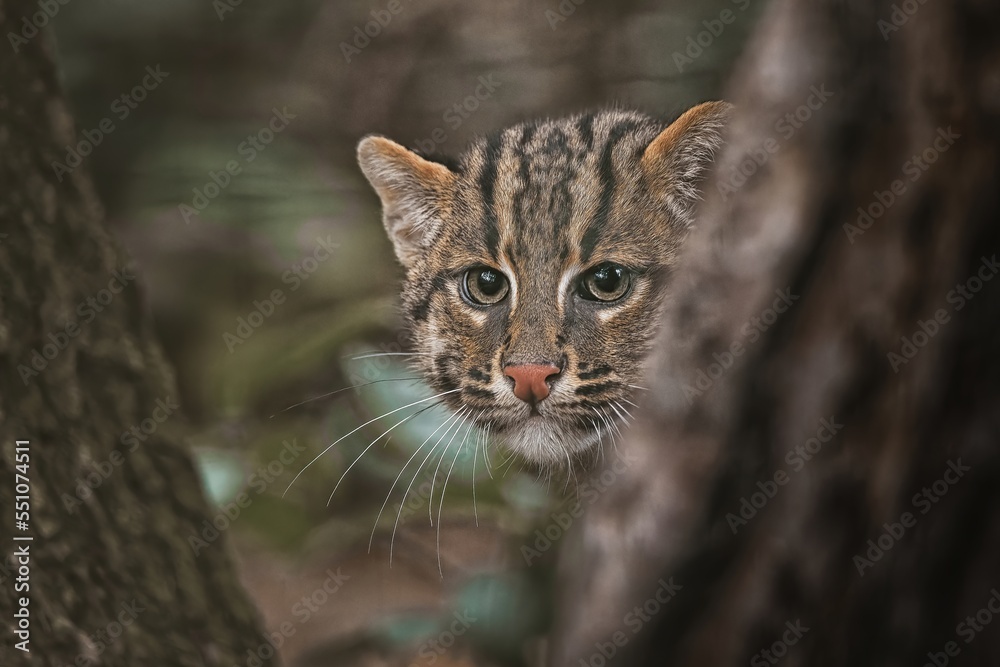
x: 536, y: 266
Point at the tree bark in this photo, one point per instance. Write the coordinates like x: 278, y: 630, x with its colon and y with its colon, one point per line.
x: 114, y: 497
x: 838, y: 469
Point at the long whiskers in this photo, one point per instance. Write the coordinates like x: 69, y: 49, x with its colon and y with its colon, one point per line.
x: 444, y: 489
x: 372, y: 443
x: 337, y: 391
x: 395, y: 525
x: 430, y: 497
x: 410, y: 405
x: 391, y: 354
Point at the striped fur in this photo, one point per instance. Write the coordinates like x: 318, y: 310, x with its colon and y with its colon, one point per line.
x: 543, y: 202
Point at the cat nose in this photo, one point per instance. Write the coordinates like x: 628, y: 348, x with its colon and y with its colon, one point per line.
x: 530, y: 380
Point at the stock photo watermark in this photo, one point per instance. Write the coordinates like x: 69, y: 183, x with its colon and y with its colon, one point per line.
x: 773, y: 654
x: 432, y: 649
x: 248, y: 150
x: 121, y: 108
x: 562, y: 12
x: 967, y: 629
x: 912, y: 169
x: 264, y: 309
x: 87, y: 311
x: 751, y: 331
x: 131, y: 439
x: 926, y: 329
x: 563, y: 518
x: 34, y: 22
x: 259, y: 481
x: 302, y: 611
x: 634, y: 620
x: 796, y: 458
x: 458, y: 113
x: 362, y: 35
x: 899, y: 16
x: 923, y: 501
x: 697, y: 44
x: 785, y: 128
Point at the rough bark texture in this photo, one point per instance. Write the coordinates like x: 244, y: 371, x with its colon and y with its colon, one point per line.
x: 113, y: 579
x: 702, y: 449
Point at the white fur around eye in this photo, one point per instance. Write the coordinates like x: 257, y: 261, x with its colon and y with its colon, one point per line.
x: 564, y: 287
x: 512, y: 280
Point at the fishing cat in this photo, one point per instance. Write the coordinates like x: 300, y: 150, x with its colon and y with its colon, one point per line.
x: 536, y: 265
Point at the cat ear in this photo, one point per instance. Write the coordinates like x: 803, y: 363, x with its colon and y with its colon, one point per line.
x: 412, y: 189
x: 676, y: 161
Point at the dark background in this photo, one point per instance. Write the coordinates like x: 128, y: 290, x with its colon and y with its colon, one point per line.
x: 228, y: 68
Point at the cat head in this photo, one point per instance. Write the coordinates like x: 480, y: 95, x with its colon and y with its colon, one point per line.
x: 536, y: 265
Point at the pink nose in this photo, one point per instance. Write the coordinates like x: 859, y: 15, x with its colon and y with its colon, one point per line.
x: 530, y: 380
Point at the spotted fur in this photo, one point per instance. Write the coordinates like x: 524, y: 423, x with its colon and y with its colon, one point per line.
x: 543, y: 202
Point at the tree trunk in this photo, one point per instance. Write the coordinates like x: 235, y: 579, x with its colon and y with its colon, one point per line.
x: 816, y: 474
x: 113, y: 494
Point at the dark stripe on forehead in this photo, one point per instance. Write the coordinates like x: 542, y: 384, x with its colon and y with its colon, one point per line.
x: 524, y: 175
x: 606, y: 176
x: 487, y: 184
x: 585, y: 126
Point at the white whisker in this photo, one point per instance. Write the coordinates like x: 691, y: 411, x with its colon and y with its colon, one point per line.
x: 430, y: 498
x: 396, y: 481
x: 337, y: 391
x: 392, y: 539
x: 365, y: 451
x: 444, y: 489
x: 486, y: 449
x: 475, y: 455
x: 390, y: 354
x: 423, y: 400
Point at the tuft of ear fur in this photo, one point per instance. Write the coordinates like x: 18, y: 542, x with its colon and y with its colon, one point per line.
x: 414, y: 192
x: 675, y: 163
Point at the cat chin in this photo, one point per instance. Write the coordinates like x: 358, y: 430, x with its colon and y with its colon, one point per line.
x: 548, y: 443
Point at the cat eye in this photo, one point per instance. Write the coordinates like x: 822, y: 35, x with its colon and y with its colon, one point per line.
x: 484, y: 286
x: 605, y: 282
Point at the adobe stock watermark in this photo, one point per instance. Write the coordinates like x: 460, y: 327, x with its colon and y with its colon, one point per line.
x: 259, y: 481
x: 785, y: 127
x: 101, y: 640
x: 912, y: 169
x: 377, y: 363
x: 927, y: 329
x: 797, y: 458
x: 87, y: 311
x: 924, y: 501
x: 901, y: 13
x: 294, y: 277
x: 773, y: 654
x: 131, y: 438
x: 696, y: 44
x: 634, y: 621
x: 33, y: 23
x: 751, y: 332
x: 363, y: 35
x: 121, y: 108
x: 301, y: 611
x: 563, y: 11
x: 458, y: 113
x: 223, y: 7
x: 563, y: 518
x: 248, y: 149
x: 968, y: 629
x: 434, y: 648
